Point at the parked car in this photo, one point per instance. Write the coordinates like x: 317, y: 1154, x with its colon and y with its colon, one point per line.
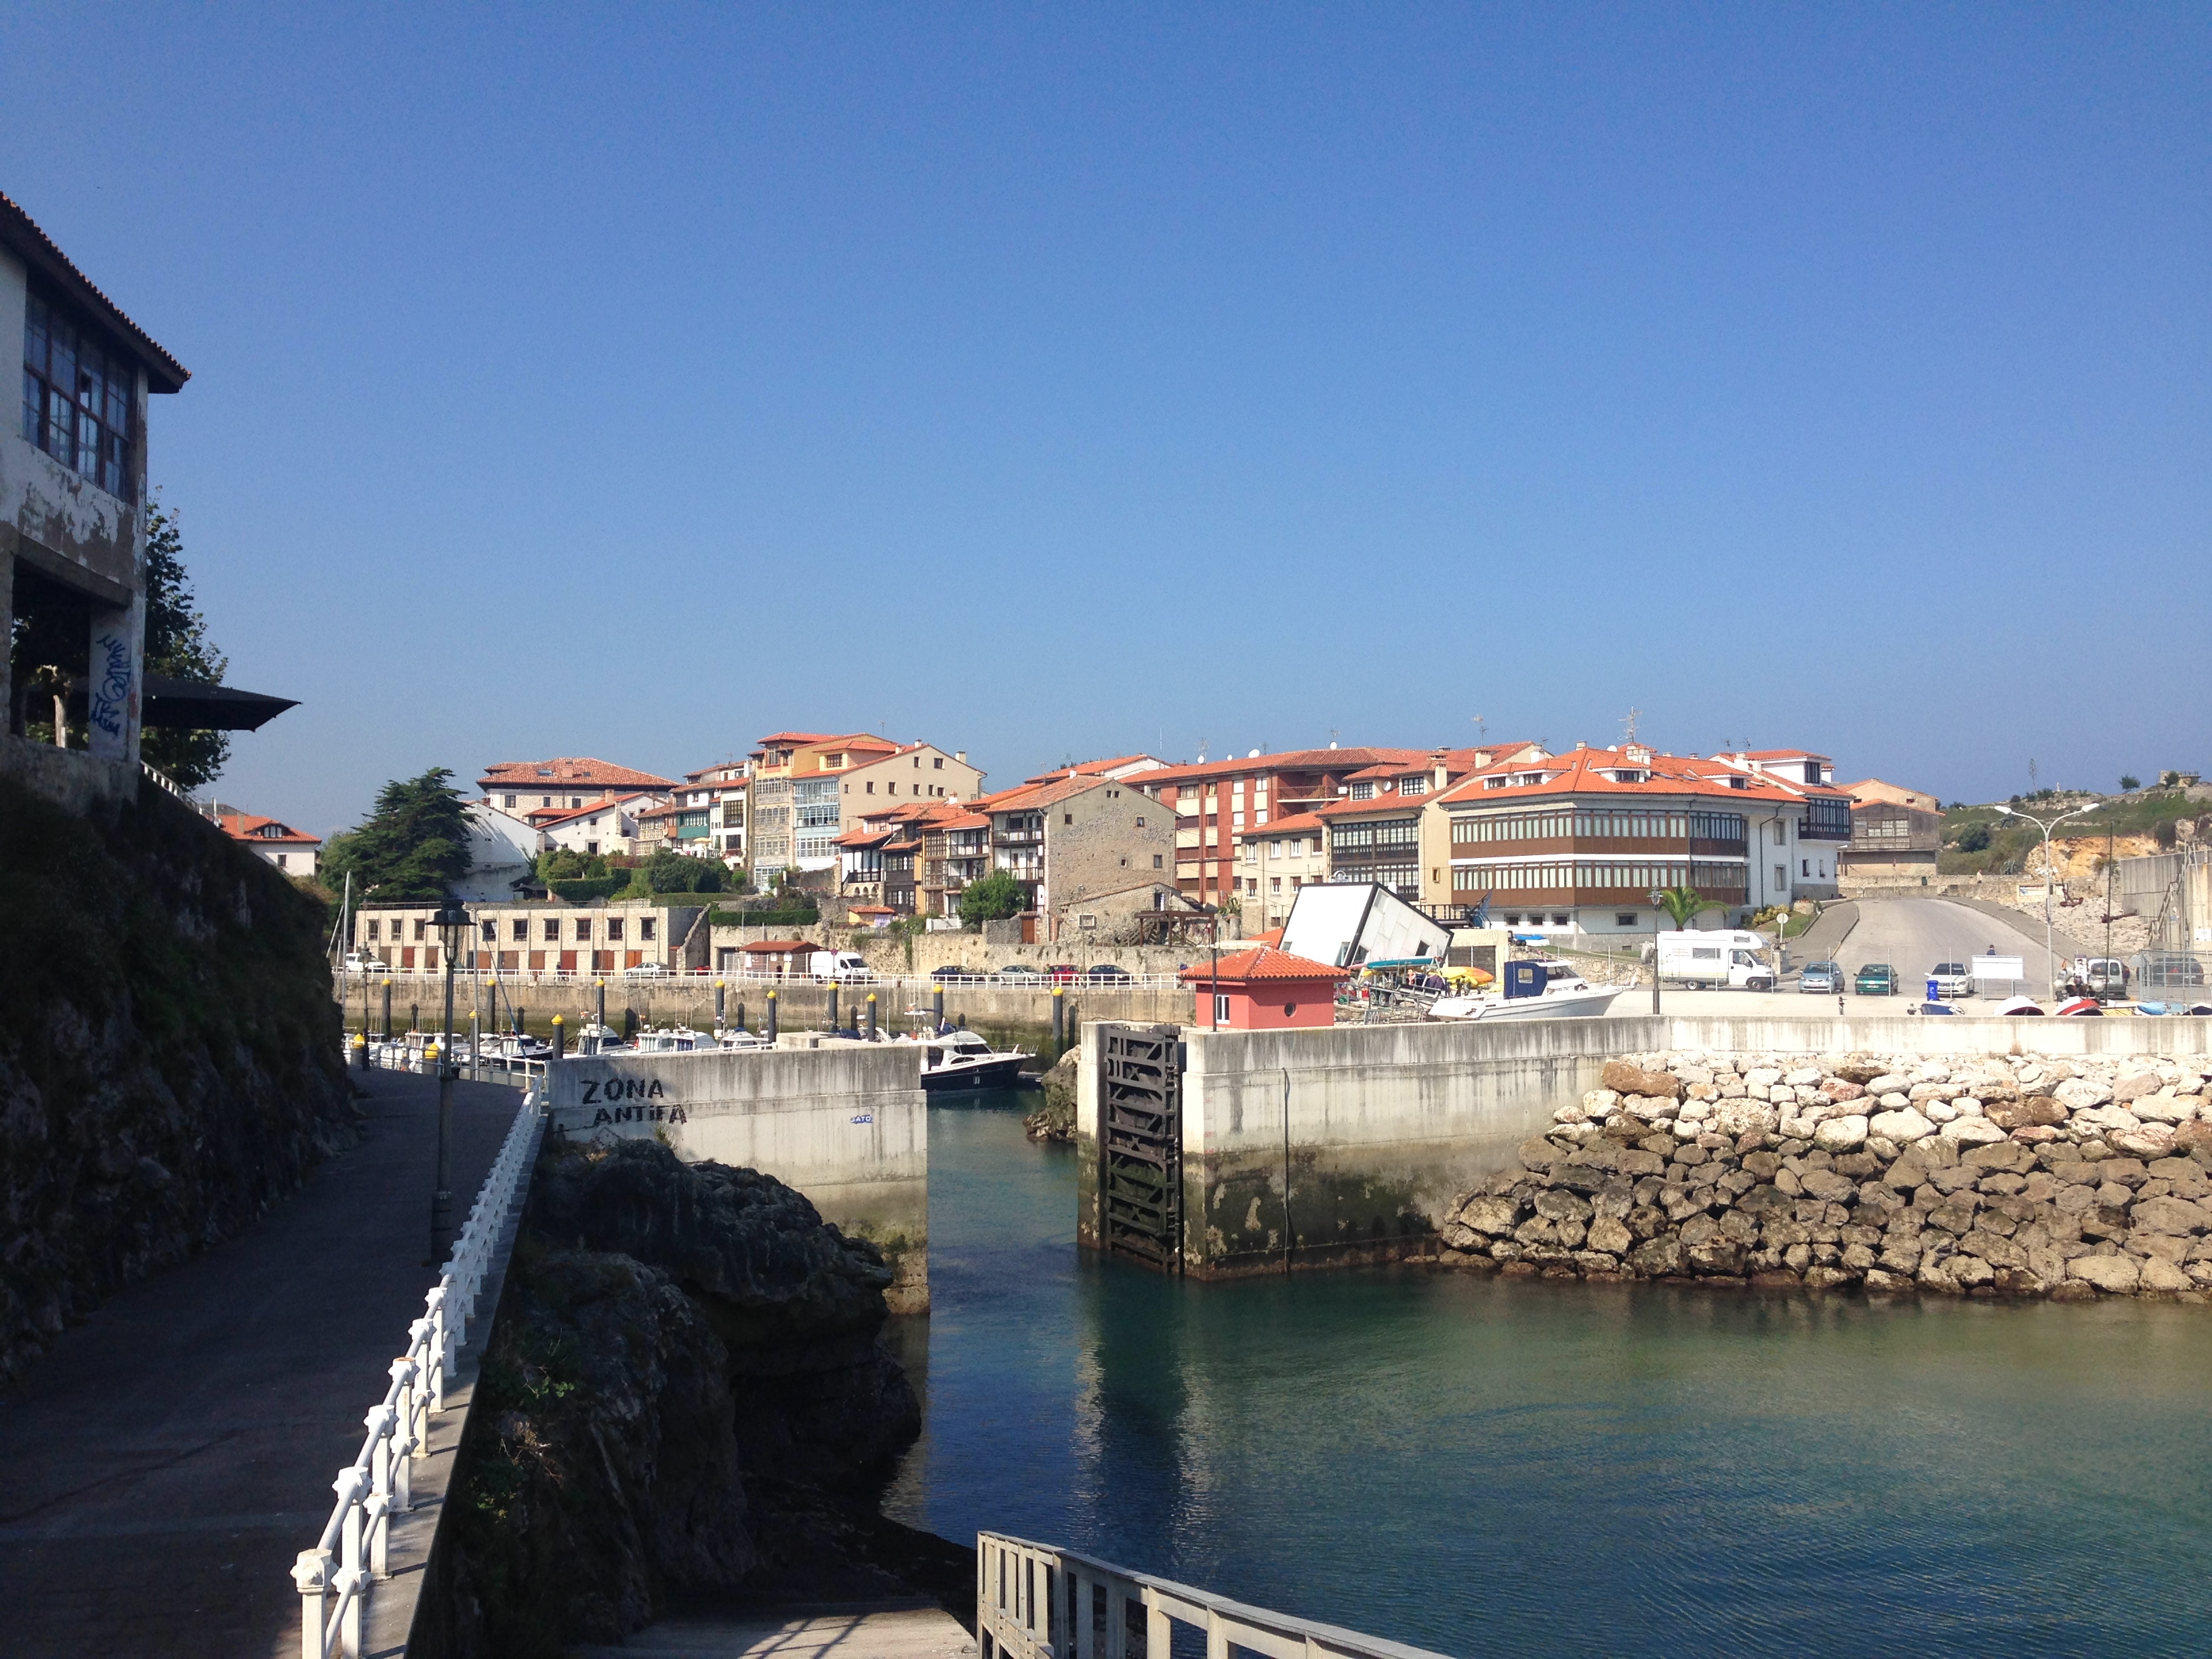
x: 1952, y: 979
x: 1821, y: 979
x: 1063, y: 973
x: 1875, y: 979
x: 954, y: 973
x: 1106, y: 973
x: 646, y: 970
x: 360, y: 961
x: 1018, y: 973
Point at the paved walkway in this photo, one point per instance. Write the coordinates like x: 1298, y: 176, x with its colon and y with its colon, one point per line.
x: 874, y: 1630
x: 169, y: 1458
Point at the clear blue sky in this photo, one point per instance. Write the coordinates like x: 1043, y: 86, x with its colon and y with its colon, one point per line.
x: 1049, y: 382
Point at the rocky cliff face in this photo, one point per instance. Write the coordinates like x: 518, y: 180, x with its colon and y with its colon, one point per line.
x: 1982, y: 1175
x: 686, y: 1393
x: 169, y: 1059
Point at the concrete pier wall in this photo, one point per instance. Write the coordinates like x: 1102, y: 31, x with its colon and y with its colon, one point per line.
x: 846, y: 1126
x: 1376, y: 1129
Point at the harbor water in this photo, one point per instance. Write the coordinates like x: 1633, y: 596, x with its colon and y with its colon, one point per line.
x: 1495, y: 1468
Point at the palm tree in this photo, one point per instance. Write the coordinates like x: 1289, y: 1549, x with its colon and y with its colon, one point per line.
x: 1683, y: 904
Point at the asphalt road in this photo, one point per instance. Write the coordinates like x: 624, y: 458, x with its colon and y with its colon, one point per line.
x: 1913, y: 935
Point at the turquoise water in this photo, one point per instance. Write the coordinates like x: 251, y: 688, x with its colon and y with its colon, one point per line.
x: 1513, y: 1467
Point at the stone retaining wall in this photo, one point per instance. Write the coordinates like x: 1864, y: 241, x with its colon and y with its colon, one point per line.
x: 2014, y: 1175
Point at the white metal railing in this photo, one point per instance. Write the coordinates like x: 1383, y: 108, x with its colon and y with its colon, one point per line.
x: 168, y: 783
x: 1036, y: 1601
x: 334, y: 1578
x: 1037, y: 980
x: 418, y: 1051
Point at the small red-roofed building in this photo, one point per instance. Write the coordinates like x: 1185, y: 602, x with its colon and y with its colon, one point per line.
x: 1264, y: 989
x: 280, y: 844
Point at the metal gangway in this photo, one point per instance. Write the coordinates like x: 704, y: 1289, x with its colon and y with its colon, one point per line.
x: 1039, y: 1602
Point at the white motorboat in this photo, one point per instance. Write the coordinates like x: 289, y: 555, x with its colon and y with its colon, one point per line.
x: 671, y: 1040
x: 958, y: 1060
x: 1566, y: 995
x: 738, y: 1040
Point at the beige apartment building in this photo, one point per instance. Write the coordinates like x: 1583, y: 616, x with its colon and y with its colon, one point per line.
x: 808, y: 788
x: 537, y: 937
x: 1273, y: 862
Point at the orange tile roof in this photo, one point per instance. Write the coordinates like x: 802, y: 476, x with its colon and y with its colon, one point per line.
x: 964, y: 819
x: 546, y: 817
x: 1027, y: 796
x: 1261, y: 963
x: 1290, y: 760
x: 249, y: 826
x: 776, y: 946
x: 780, y: 738
x: 1295, y: 824
x: 1577, y: 773
x: 1096, y: 769
x: 565, y: 771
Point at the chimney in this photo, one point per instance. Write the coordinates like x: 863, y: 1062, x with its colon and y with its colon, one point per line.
x: 1441, y: 773
x: 960, y: 755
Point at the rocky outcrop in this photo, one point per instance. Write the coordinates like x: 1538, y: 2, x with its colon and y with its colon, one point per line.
x: 169, y: 1063
x: 1055, y: 1119
x: 684, y: 1392
x: 1984, y: 1175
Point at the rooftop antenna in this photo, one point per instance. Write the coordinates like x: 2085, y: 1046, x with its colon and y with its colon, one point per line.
x: 1481, y: 728
x: 1628, y: 726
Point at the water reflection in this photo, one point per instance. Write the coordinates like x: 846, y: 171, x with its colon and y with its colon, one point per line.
x: 1486, y: 1466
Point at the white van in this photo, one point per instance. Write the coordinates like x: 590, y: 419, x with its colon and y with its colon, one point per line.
x: 1715, y: 958
x: 360, y: 961
x: 849, y: 966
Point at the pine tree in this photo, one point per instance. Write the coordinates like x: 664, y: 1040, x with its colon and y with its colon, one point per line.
x: 414, y: 846
x: 177, y: 645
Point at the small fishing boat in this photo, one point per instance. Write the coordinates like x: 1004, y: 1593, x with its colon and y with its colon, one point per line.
x: 2020, y: 1006
x: 1565, y: 995
x: 955, y: 1060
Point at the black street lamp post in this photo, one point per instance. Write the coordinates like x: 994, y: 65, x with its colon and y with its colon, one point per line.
x: 1658, y: 916
x: 452, y: 922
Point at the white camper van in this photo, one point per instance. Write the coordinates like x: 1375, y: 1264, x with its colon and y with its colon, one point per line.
x: 1716, y: 959
x: 847, y: 965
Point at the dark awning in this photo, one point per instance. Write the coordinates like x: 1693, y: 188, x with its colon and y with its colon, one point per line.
x: 181, y: 704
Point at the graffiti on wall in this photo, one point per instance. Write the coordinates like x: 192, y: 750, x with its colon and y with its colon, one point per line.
x: 112, y: 693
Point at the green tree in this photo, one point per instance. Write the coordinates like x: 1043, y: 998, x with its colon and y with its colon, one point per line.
x: 2129, y: 782
x: 414, y: 846
x: 1683, y: 905
x: 667, y: 871
x: 177, y: 645
x: 1974, y: 838
x: 993, y: 898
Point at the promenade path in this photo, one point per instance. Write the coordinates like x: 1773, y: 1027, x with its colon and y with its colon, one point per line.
x: 888, y: 1630
x: 169, y: 1458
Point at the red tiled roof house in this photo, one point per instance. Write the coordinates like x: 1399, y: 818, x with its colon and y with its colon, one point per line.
x: 1264, y: 989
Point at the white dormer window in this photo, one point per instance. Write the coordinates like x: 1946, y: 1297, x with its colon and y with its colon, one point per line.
x: 1412, y: 786
x: 1362, y: 792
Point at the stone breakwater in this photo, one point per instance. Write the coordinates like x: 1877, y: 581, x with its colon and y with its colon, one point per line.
x: 1982, y: 1175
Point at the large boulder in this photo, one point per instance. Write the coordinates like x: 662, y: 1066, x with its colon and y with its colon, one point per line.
x: 2080, y: 1094
x: 1841, y: 1134
x: 1737, y: 1118
x: 2120, y: 1274
x: 2034, y: 1111
x: 2145, y: 1140
x: 1624, y: 1079
x: 1496, y: 1216
x: 1904, y: 1126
